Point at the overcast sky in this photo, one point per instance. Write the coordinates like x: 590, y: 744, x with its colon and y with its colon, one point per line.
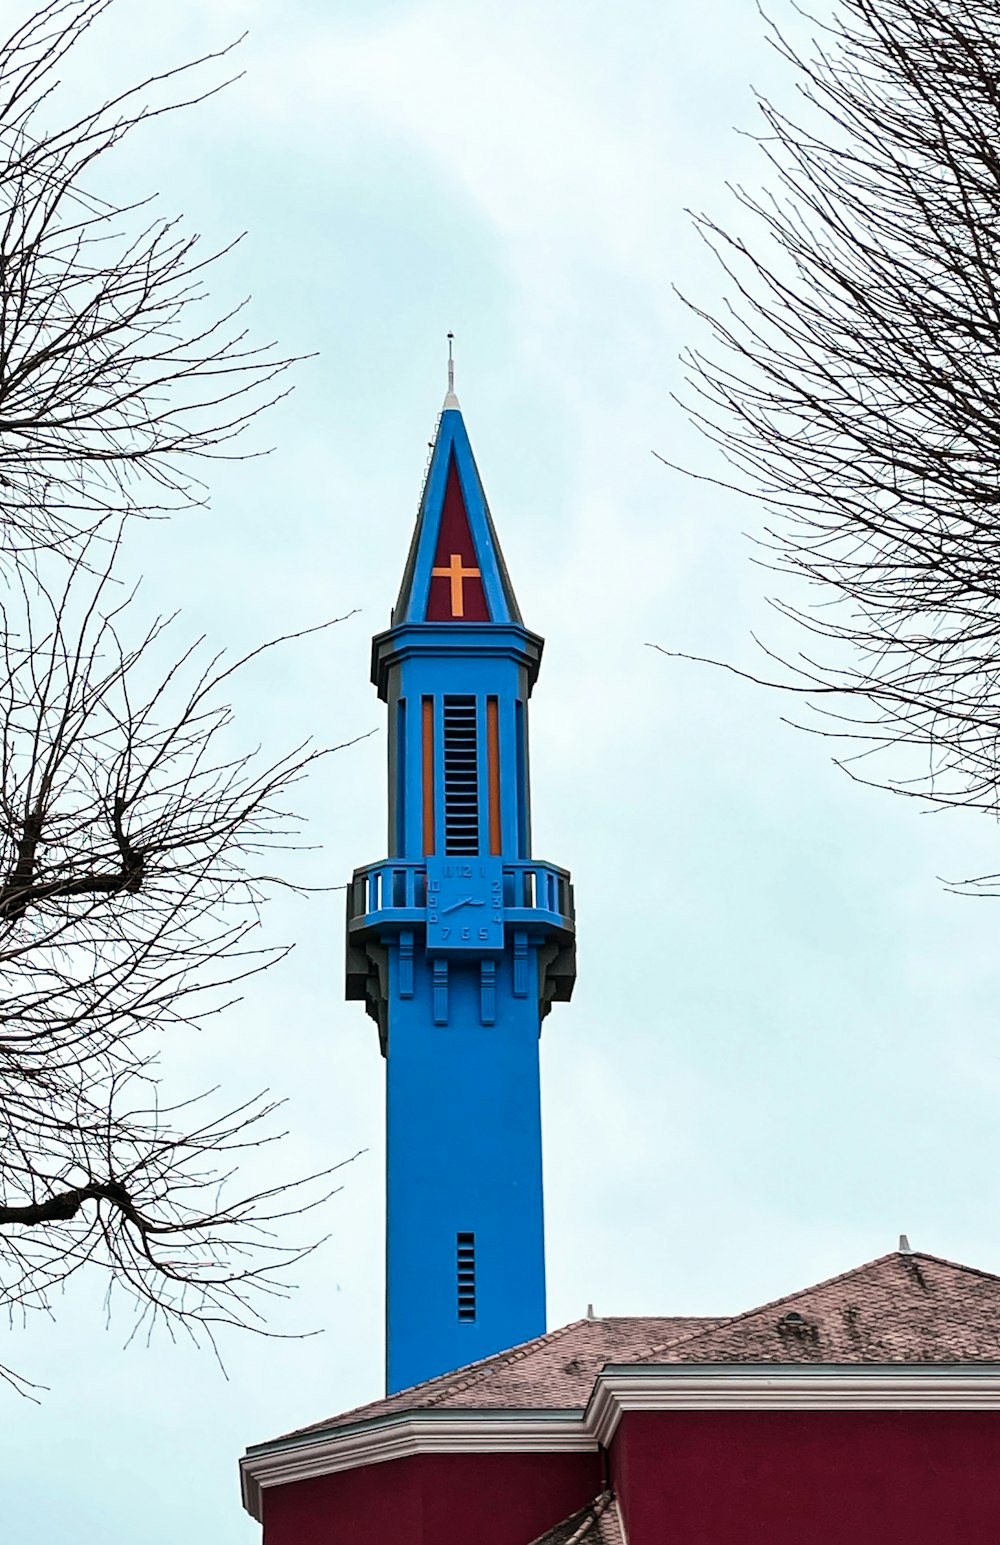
x: 783, y: 1046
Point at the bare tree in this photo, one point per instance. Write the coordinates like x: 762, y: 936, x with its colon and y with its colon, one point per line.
x: 132, y: 827
x: 854, y: 384
x: 114, y: 377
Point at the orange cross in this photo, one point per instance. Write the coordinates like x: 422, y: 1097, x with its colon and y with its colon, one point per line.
x: 457, y: 574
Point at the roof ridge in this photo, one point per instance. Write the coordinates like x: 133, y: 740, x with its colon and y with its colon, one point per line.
x: 774, y: 1303
x: 944, y: 1260
x: 487, y: 1365
x: 603, y: 1319
x: 716, y: 1322
x: 825, y: 1282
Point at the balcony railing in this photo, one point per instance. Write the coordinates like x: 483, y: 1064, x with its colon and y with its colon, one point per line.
x: 394, y: 892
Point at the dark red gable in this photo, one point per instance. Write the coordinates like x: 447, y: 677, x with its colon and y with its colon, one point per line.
x: 808, y: 1477
x: 433, y: 1499
x: 456, y: 592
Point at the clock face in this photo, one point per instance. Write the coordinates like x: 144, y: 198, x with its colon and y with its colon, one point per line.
x: 464, y: 904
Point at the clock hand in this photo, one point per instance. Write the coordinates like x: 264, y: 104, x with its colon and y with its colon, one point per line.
x: 465, y: 901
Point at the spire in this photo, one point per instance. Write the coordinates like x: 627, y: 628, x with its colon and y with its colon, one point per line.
x: 455, y: 570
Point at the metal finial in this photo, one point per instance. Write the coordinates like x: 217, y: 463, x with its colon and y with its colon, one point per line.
x: 904, y: 1245
x: 451, y: 401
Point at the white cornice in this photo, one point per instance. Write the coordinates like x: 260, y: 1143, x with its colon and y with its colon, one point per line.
x: 806, y: 1387
x: 644, y: 1387
x: 416, y: 1432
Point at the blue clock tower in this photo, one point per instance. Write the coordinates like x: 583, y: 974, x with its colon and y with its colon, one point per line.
x: 459, y: 941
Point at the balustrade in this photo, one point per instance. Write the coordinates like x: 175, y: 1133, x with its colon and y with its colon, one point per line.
x: 395, y: 892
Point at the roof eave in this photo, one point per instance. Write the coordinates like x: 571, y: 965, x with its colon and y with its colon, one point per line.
x: 619, y: 1388
x: 303, y: 1456
x: 626, y: 1387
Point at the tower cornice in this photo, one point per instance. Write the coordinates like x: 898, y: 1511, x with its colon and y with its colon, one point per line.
x: 470, y: 640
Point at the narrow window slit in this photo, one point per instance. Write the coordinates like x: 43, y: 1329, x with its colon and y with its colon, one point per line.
x: 466, y: 1276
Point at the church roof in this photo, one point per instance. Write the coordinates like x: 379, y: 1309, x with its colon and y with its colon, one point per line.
x: 596, y: 1524
x: 906, y: 1331
x: 554, y: 1372
x: 455, y: 570
x: 902, y: 1308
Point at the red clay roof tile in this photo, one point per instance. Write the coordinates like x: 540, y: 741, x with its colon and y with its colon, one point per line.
x: 554, y: 1372
x: 596, y: 1524
x: 901, y: 1308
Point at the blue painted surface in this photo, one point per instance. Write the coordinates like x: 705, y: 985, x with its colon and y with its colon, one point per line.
x: 458, y: 958
x: 464, y: 1154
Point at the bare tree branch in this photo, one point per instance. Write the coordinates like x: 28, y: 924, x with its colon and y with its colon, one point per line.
x: 133, y: 823
x: 131, y: 831
x: 852, y: 383
x: 114, y: 381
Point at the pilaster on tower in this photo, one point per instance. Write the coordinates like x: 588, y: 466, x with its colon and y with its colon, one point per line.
x: 459, y: 941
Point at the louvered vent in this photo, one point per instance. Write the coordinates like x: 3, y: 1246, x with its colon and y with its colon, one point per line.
x: 461, y: 776
x: 466, y: 1250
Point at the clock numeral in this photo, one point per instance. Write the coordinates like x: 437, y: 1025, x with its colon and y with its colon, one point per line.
x: 445, y: 932
x: 432, y: 917
x: 484, y: 933
x: 466, y: 933
x: 498, y: 917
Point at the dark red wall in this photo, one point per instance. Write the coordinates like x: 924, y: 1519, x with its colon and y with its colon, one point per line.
x: 809, y: 1478
x: 433, y: 1499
